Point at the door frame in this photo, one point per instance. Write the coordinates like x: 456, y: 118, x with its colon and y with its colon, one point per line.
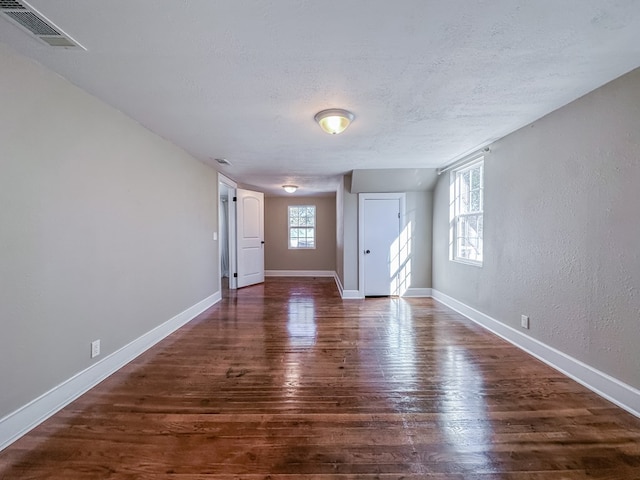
x: 231, y: 232
x: 362, y: 197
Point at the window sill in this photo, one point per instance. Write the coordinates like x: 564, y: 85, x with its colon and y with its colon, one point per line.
x: 467, y: 262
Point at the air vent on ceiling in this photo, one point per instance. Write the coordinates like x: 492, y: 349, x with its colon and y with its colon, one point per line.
x: 223, y: 161
x: 11, y: 5
x: 27, y: 17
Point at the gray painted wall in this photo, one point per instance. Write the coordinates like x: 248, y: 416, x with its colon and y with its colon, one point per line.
x: 278, y: 256
x: 562, y: 231
x: 350, y: 225
x: 419, y: 214
x: 393, y: 180
x: 340, y: 232
x: 347, y: 235
x: 106, y: 230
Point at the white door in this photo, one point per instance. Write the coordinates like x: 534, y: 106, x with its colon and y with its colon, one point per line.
x: 380, y: 239
x: 250, y: 237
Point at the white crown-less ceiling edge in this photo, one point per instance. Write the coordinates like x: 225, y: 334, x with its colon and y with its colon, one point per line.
x: 427, y: 80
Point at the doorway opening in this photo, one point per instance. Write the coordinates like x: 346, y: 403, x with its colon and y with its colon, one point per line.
x: 226, y: 233
x: 241, y: 235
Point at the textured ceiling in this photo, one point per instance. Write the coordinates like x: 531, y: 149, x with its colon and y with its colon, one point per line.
x: 427, y: 80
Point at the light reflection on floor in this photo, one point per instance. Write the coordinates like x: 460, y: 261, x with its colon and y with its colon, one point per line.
x: 301, y: 336
x: 301, y: 322
x: 464, y: 424
x: 461, y: 389
x: 399, y: 360
x: 400, y: 342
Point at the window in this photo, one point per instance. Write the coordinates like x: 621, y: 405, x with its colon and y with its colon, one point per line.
x: 302, y: 226
x: 468, y: 204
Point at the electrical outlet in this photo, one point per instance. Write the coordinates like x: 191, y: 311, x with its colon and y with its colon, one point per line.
x: 215, y: 236
x: 524, y: 321
x: 95, y: 348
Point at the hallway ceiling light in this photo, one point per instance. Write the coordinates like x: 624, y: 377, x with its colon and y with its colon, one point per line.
x: 290, y: 188
x: 334, y: 120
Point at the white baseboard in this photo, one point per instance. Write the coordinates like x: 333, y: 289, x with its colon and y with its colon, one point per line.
x: 347, y: 294
x: 614, y: 390
x: 417, y: 292
x: 352, y: 295
x: 19, y: 422
x: 299, y: 273
x: 338, y: 283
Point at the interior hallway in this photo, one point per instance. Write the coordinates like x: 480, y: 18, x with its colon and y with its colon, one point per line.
x: 286, y: 380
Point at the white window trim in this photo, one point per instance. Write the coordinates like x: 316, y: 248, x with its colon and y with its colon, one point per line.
x: 454, y: 212
x: 315, y: 227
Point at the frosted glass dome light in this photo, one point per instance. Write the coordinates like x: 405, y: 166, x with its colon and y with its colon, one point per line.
x: 334, y: 120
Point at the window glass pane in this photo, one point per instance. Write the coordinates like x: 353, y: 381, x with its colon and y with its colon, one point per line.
x: 475, y: 201
x: 468, y: 215
x: 301, y: 226
x: 466, y: 179
x: 475, y: 178
x: 464, y: 201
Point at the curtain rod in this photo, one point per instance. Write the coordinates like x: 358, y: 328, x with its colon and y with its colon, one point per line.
x: 463, y: 161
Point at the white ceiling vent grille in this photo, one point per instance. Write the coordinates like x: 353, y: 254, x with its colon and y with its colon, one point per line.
x: 27, y: 17
x: 11, y: 5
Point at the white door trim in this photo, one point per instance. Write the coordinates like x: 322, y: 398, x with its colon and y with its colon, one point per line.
x: 361, y: 199
x: 231, y: 230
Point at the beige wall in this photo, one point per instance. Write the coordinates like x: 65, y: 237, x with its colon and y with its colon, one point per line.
x: 278, y: 256
x: 562, y: 231
x: 106, y: 230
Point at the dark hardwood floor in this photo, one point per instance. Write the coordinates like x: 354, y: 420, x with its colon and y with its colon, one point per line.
x: 286, y: 381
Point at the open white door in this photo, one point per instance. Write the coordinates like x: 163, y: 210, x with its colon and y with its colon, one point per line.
x: 250, y: 237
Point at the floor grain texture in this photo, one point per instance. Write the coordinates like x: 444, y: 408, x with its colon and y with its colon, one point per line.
x: 285, y: 380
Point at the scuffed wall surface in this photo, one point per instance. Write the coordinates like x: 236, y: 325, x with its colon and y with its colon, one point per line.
x: 562, y: 231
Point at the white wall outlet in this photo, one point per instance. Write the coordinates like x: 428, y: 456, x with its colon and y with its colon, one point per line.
x: 215, y: 236
x: 95, y: 348
x: 524, y: 321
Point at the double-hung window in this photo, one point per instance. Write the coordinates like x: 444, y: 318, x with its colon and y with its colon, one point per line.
x: 302, y: 226
x: 468, y: 203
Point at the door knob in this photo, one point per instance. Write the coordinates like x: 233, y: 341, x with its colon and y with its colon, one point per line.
x: 367, y: 251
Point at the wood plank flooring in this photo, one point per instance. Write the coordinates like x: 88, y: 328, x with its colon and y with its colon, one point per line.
x: 287, y: 381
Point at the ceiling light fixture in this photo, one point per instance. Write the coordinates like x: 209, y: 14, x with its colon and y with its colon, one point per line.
x: 334, y: 120
x: 290, y: 188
